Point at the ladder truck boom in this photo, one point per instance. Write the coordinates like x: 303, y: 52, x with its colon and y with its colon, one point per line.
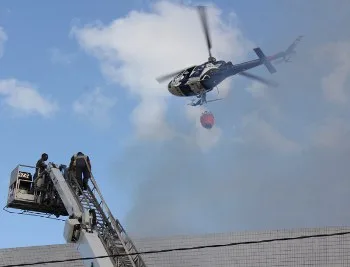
x: 79, y: 227
x: 72, y: 205
x: 90, y: 223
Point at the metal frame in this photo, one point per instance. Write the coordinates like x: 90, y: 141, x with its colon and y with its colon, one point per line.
x: 106, y: 234
x: 128, y: 245
x: 27, y: 201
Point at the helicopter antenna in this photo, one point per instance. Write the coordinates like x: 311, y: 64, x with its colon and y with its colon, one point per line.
x: 204, y: 21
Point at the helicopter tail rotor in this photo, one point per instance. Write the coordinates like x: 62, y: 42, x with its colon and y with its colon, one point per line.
x: 264, y: 60
x: 259, y: 79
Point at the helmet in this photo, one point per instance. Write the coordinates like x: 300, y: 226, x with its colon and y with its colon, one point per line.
x: 44, y: 156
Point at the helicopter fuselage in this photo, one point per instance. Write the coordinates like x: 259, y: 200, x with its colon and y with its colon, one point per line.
x: 198, y: 79
x: 203, y: 78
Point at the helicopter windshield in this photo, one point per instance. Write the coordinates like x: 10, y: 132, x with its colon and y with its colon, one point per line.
x: 197, y: 71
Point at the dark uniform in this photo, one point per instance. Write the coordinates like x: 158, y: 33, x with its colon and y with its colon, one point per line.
x: 78, y: 166
x: 40, y: 165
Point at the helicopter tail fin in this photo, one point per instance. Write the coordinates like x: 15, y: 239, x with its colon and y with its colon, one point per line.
x: 285, y: 56
x: 264, y: 60
x: 291, y: 48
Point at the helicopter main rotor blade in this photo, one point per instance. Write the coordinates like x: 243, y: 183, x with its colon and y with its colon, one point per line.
x: 166, y: 77
x: 203, y: 16
x: 259, y: 79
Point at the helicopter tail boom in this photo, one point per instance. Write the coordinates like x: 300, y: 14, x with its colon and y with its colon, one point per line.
x: 285, y: 56
x: 264, y: 60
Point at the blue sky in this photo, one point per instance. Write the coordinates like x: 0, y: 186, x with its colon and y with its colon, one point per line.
x: 93, y: 90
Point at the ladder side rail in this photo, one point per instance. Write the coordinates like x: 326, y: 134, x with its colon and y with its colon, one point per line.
x: 88, y: 244
x: 103, y: 202
x: 94, y: 205
x: 118, y: 227
x: 73, y: 206
x: 70, y: 186
x: 110, y: 224
x: 122, y: 234
x: 97, y: 205
x: 116, y: 224
x: 74, y: 183
x: 104, y: 205
x: 84, y: 198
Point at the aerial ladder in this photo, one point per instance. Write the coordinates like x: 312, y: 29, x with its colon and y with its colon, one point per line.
x: 90, y: 223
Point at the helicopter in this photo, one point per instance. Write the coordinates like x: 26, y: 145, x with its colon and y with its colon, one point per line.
x: 198, y: 80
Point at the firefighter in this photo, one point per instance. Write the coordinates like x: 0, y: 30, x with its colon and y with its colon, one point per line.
x: 40, y: 166
x: 80, y: 166
x: 40, y: 178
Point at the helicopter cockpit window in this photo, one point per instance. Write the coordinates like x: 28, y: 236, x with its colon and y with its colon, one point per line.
x: 197, y: 71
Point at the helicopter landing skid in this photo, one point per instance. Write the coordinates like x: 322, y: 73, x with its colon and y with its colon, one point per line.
x: 202, y: 100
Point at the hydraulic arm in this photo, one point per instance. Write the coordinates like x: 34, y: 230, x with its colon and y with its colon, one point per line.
x: 90, y: 223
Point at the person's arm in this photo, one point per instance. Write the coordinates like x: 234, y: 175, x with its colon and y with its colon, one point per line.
x: 71, y: 162
x: 37, y: 166
x: 41, y: 164
x: 88, y: 161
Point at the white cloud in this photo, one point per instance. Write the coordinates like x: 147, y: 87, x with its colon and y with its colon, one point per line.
x: 334, y: 84
x: 95, y: 107
x: 149, y: 120
x: 3, y: 39
x: 24, y: 98
x: 134, y: 50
